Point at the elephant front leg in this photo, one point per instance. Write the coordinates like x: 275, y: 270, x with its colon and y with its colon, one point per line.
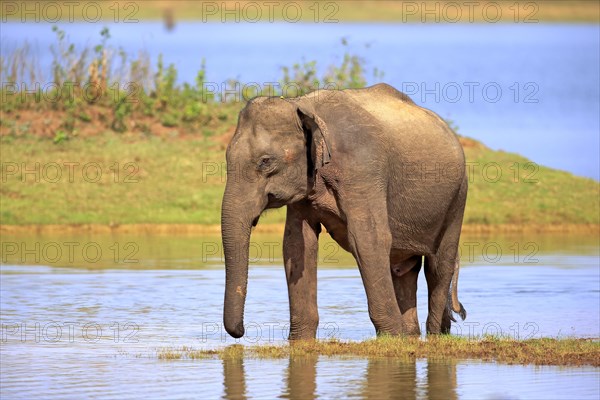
x: 370, y: 241
x: 300, y: 247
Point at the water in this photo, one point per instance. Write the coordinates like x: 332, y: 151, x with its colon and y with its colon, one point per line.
x: 533, y: 89
x: 90, y: 323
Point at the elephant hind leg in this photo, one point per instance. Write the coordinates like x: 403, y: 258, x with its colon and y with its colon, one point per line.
x: 440, y: 268
x: 438, y: 286
x: 405, y: 275
x: 439, y: 272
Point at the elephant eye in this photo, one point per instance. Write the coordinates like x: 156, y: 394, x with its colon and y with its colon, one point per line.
x: 264, y: 162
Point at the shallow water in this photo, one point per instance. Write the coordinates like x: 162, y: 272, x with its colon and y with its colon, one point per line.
x: 92, y: 328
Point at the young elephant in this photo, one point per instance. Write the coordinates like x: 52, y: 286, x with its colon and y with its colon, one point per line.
x: 384, y: 176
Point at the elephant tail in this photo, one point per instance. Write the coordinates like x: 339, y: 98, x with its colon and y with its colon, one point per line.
x: 456, y: 305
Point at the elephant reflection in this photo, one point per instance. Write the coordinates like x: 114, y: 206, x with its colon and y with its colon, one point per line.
x: 441, y: 380
x: 234, y: 378
x: 385, y: 378
x: 300, y: 382
x: 301, y: 378
x: 389, y: 378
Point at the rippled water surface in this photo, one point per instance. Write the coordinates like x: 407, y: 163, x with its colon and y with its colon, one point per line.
x: 90, y: 323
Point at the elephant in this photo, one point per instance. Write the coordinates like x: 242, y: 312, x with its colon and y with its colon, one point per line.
x: 384, y: 176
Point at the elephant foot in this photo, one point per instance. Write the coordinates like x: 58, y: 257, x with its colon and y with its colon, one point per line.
x: 442, y: 328
x: 389, y: 330
x: 302, y: 332
x: 446, y: 322
x: 297, y: 337
x: 410, y: 323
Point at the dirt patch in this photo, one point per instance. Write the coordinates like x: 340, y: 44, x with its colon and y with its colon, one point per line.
x: 470, y: 143
x: 225, y: 138
x: 95, y: 119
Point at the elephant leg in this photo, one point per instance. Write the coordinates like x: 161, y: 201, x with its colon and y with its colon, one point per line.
x: 370, y: 241
x: 440, y: 267
x: 438, y: 286
x: 405, y: 286
x: 300, y: 246
x: 302, y: 377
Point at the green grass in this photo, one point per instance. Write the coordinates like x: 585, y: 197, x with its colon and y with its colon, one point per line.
x: 505, y: 350
x: 526, y: 193
x: 171, y: 180
x: 146, y: 180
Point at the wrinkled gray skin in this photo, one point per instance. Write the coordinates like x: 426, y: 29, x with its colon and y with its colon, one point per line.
x: 384, y: 176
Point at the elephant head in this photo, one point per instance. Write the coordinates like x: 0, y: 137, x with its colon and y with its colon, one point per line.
x: 271, y: 162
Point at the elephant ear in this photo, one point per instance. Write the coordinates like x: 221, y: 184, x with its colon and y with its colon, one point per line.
x: 317, y: 137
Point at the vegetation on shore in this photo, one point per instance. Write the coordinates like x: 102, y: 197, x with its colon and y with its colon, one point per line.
x: 323, y: 11
x: 91, y: 156
x: 505, y: 350
x: 101, y: 88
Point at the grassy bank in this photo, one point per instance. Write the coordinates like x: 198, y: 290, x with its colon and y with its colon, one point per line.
x: 504, y: 350
x: 322, y: 11
x: 115, y: 179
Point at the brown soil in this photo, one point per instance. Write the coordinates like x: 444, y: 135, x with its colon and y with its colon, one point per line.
x: 471, y: 143
x: 45, y: 123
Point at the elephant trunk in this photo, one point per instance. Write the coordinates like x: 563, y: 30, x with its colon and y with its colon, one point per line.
x: 235, y: 230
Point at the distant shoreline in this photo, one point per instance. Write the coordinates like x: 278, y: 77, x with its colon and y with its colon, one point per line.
x: 192, y: 229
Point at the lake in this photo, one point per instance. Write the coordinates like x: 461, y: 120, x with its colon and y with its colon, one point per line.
x: 532, y: 89
x: 85, y: 315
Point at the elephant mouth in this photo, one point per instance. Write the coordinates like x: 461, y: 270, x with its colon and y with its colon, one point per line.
x: 275, y: 201
x: 255, y: 221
